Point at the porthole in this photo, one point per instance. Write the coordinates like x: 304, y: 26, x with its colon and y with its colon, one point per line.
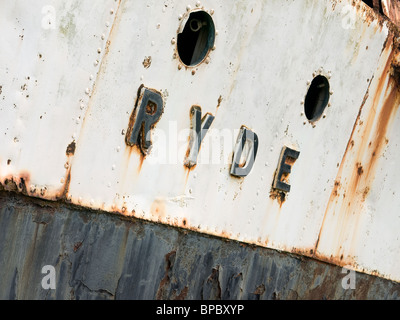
x: 317, y: 98
x: 196, y: 39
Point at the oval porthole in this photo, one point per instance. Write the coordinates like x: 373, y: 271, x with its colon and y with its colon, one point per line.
x: 196, y: 38
x: 317, y: 98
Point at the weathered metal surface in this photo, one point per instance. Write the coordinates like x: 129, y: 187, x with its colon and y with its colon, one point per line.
x: 391, y: 9
x: 48, y: 61
x: 256, y: 75
x: 101, y: 256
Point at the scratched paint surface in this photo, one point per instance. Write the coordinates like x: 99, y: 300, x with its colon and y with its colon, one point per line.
x: 257, y: 75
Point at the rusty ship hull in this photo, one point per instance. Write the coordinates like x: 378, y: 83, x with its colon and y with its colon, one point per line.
x: 205, y: 150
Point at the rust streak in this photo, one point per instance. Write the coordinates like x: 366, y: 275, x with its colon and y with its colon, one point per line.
x: 360, y: 160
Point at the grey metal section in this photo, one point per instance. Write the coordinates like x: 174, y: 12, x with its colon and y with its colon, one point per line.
x: 102, y: 256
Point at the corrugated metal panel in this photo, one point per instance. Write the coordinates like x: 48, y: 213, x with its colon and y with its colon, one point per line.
x: 257, y: 75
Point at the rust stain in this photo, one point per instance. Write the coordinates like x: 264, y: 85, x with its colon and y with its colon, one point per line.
x: 157, y: 209
x: 280, y: 196
x: 77, y: 246
x: 65, y: 188
x: 129, y: 150
x: 359, y: 163
x: 219, y: 101
x: 165, y: 281
x: 71, y: 148
x: 17, y: 183
x: 147, y: 62
x: 182, y: 295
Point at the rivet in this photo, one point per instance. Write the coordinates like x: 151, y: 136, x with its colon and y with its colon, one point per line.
x: 82, y: 106
x: 180, y: 17
x: 33, y: 188
x: 193, y: 71
x: 331, y: 92
x: 91, y: 77
x: 158, y: 25
x: 212, y: 11
x: 112, y: 11
x: 213, y: 48
x: 329, y: 104
x: 305, y: 122
x: 267, y: 164
x: 179, y: 67
x: 198, y: 4
x: 208, y: 60
x: 188, y: 8
x: 173, y: 41
x: 118, y: 148
x: 174, y: 56
x: 98, y: 50
x: 66, y: 165
x: 308, y: 82
x: 113, y: 167
x: 107, y: 24
x: 302, y: 114
x: 313, y: 125
x: 103, y: 36
x: 301, y: 102
x: 87, y: 91
x: 324, y: 116
x: 190, y: 190
x: 96, y: 62
x: 216, y: 32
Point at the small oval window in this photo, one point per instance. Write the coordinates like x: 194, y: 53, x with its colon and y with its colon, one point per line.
x: 317, y: 98
x: 196, y: 39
